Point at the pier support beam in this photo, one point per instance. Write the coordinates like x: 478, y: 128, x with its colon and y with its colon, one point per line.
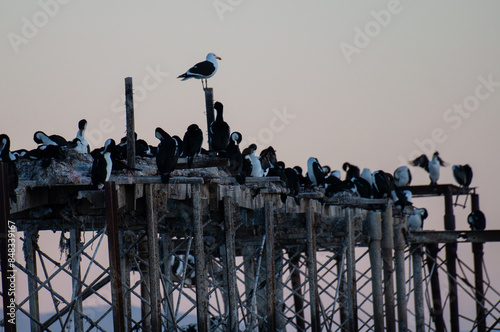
x: 230, y: 265
x: 437, y: 307
x: 451, y: 262
x: 31, y: 243
x: 387, y: 247
x: 477, y: 249
x: 154, y: 263
x: 399, y: 259
x: 351, y: 271
x: 311, y: 267
x: 375, y: 234
x: 418, y: 290
x: 75, y: 246
x: 114, y: 256
x: 199, y: 257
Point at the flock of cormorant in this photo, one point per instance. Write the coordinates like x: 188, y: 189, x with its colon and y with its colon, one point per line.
x: 242, y: 164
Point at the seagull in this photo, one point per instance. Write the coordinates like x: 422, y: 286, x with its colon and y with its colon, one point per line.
x: 202, y: 70
x: 431, y: 166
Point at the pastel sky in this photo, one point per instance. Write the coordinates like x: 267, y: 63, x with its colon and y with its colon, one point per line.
x: 373, y: 83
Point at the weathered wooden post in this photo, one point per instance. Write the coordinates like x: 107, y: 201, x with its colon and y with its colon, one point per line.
x: 7, y: 270
x: 399, y: 259
x: 311, y: 267
x: 164, y: 254
x: 126, y: 267
x: 209, y: 104
x: 114, y: 256
x: 199, y: 260
x: 451, y: 262
x: 75, y: 246
x: 249, y: 266
x: 418, y: 289
x: 375, y: 234
x: 154, y: 263
x: 477, y: 249
x: 432, y: 266
x: 143, y: 253
x: 31, y: 243
x: 343, y: 307
x: 129, y: 108
x: 351, y: 271
x: 294, y: 257
x: 270, y: 268
x: 230, y: 265
x: 387, y: 247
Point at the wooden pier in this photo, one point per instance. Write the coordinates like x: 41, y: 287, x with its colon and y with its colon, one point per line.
x: 260, y: 262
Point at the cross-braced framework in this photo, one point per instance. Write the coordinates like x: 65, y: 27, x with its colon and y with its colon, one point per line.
x: 205, y: 253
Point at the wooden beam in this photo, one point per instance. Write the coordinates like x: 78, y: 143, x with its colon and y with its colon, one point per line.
x: 230, y: 265
x: 311, y: 267
x: 153, y: 259
x: 114, y: 256
x: 387, y: 254
x: 129, y: 109
x: 209, y: 105
x: 375, y: 234
x: 427, y: 237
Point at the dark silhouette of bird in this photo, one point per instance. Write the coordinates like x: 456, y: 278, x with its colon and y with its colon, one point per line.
x: 219, y: 130
x: 102, y: 165
x: 193, y: 139
x: 12, y: 175
x: 315, y: 172
x: 477, y: 220
x: 462, y: 174
x: 352, y: 171
x: 168, y: 154
x: 234, y: 154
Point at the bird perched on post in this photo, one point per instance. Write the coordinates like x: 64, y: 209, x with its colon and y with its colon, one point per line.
x: 477, y: 220
x: 83, y: 146
x: 431, y: 166
x: 103, y: 164
x: 168, y: 154
x: 402, y: 176
x: 462, y: 174
x: 193, y: 139
x: 219, y: 130
x: 202, y: 70
x: 352, y: 171
x: 315, y: 172
x: 416, y: 220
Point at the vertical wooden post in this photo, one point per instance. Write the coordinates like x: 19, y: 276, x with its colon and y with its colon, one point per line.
x: 199, y: 254
x: 418, y: 290
x: 129, y: 108
x: 375, y: 234
x: 230, y: 265
x: 145, y: 286
x: 432, y: 266
x: 451, y: 262
x: 477, y: 249
x: 9, y: 298
x: 164, y: 252
x: 343, y: 307
x: 387, y: 247
x: 31, y: 243
x: 209, y: 104
x: 351, y: 271
x: 249, y: 265
x: 311, y: 267
x: 75, y: 246
x: 126, y: 268
x: 154, y: 263
x: 114, y: 256
x: 270, y: 268
x: 294, y: 257
x: 399, y: 259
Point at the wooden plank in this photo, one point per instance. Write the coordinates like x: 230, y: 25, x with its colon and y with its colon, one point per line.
x: 311, y: 267
x: 129, y: 110
x: 399, y: 260
x: 351, y: 271
x: 375, y: 234
x: 200, y: 269
x: 387, y: 247
x: 114, y: 256
x: 270, y: 268
x: 209, y: 105
x: 123, y: 180
x: 230, y: 265
x: 153, y: 259
x: 428, y: 237
x: 31, y: 243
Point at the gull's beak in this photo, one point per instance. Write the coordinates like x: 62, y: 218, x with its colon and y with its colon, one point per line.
x: 218, y: 58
